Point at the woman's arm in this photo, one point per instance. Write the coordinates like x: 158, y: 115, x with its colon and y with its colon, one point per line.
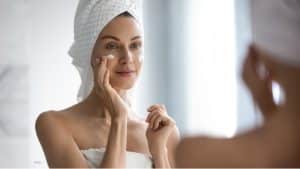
x: 172, y: 144
x: 249, y: 150
x: 165, y: 157
x: 115, y: 155
x: 161, y: 159
x: 57, y: 142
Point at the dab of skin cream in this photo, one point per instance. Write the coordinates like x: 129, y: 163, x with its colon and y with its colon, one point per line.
x: 110, y: 56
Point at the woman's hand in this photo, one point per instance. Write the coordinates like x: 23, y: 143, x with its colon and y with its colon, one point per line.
x: 259, y: 83
x: 159, y: 129
x: 116, y: 106
x: 115, y: 154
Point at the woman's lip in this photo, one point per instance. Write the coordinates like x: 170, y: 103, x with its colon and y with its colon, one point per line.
x: 126, y: 73
x: 131, y: 71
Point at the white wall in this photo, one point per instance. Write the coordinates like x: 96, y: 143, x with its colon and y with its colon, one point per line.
x: 35, y: 73
x: 152, y: 84
x: 211, y: 73
x: 247, y: 116
x: 14, y: 82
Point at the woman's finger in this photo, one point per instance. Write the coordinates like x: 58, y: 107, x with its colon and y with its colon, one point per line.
x: 157, y: 122
x: 101, y: 71
x: 152, y: 119
x: 106, y: 75
x: 250, y: 67
x: 106, y: 79
x: 150, y: 115
x: 147, y: 119
x: 151, y: 108
x: 259, y: 82
x: 157, y: 106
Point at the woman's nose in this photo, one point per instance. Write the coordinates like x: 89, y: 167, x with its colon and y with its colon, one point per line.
x: 127, y: 56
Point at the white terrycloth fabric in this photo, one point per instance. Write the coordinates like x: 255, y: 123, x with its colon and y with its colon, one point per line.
x: 91, y: 17
x: 276, y: 28
x: 133, y: 159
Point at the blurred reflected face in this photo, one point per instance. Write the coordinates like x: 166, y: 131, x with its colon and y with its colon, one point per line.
x: 122, y: 37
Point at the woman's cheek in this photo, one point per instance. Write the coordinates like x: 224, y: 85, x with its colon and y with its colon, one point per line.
x: 141, y: 60
x: 109, y: 65
x: 141, y: 55
x: 139, y: 64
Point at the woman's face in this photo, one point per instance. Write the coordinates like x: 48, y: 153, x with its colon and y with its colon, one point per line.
x: 122, y: 38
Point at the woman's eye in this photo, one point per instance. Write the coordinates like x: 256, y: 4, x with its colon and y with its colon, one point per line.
x: 111, y: 46
x: 135, y: 45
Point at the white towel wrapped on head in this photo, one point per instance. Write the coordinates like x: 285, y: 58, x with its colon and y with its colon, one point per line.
x: 91, y: 17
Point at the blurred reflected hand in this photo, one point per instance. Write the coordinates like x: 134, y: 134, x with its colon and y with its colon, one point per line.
x: 259, y: 82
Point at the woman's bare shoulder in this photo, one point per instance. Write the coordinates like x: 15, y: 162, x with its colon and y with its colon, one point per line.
x: 54, y: 120
x: 57, y: 140
x: 50, y: 121
x: 58, y: 118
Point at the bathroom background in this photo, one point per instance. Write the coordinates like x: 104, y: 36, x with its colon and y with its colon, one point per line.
x: 193, y: 54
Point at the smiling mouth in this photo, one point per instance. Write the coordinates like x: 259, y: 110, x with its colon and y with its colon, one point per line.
x: 126, y: 73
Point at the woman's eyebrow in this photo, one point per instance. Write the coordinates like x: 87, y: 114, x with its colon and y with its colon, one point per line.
x: 110, y: 37
x: 117, y: 39
x: 136, y: 37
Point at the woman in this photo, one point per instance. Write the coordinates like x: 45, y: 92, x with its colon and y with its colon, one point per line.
x: 276, y: 39
x: 101, y: 130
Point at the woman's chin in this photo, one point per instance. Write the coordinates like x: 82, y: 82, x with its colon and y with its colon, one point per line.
x: 124, y: 86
